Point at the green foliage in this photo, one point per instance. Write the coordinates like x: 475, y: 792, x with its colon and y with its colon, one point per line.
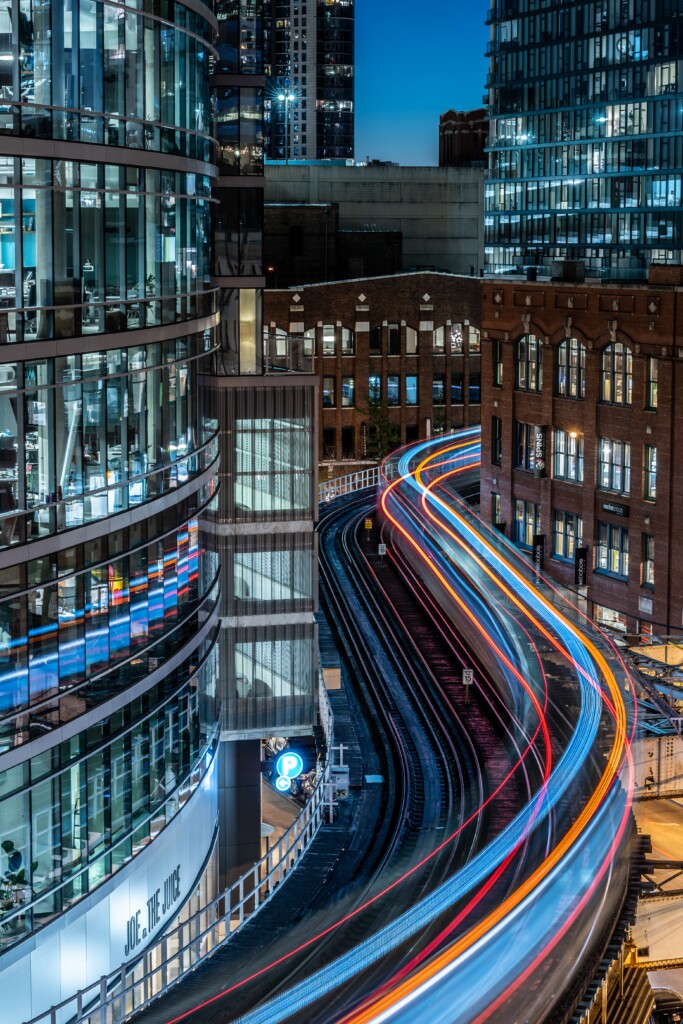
x: 383, y: 435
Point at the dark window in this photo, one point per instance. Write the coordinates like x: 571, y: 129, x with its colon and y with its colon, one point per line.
x: 394, y: 335
x: 647, y: 570
x: 475, y: 389
x: 496, y: 440
x: 348, y: 440
x: 439, y: 389
x: 329, y: 443
x: 375, y: 341
x: 457, y: 386
x: 525, y: 444
x: 529, y: 363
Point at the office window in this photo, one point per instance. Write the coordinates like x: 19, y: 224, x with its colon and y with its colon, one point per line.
x: 571, y: 369
x: 616, y: 374
x: 567, y: 535
x: 652, y: 372
x: 650, y: 473
x: 328, y: 393
x: 647, y: 569
x: 439, y: 340
x: 457, y: 342
x: 394, y: 337
x: 393, y: 389
x: 411, y: 390
x: 347, y: 342
x: 614, y: 465
x: 527, y: 522
x: 496, y: 440
x: 374, y: 388
x: 475, y: 388
x: 309, y: 342
x: 348, y: 392
x: 457, y: 387
x: 529, y: 363
x: 612, y: 550
x: 497, y: 356
x: 474, y: 341
x: 411, y: 341
x: 567, y: 456
x: 439, y: 389
x: 525, y: 443
x: 328, y: 339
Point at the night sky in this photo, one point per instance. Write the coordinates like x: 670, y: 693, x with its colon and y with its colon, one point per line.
x: 415, y: 59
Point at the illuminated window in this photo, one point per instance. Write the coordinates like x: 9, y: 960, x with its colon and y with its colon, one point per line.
x: 614, y: 465
x: 571, y: 367
x: 612, y: 550
x: 616, y: 376
x: 650, y: 473
x: 567, y: 535
x: 567, y: 456
x: 529, y: 363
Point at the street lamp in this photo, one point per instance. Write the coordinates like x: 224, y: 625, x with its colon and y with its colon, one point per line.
x: 286, y: 98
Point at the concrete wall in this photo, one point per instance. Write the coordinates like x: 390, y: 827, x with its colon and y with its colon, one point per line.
x: 439, y: 210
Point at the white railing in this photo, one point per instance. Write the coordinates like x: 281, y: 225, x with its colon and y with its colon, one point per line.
x: 132, y: 987
x: 357, y: 481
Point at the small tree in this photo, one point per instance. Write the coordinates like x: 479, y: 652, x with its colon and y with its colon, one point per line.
x: 383, y: 434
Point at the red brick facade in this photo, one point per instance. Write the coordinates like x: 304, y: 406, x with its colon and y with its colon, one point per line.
x: 420, y: 303
x: 622, y: 411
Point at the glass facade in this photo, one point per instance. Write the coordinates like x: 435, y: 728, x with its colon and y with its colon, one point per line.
x: 585, y: 135
x: 108, y: 463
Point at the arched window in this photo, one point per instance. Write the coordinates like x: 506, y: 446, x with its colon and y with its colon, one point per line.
x: 571, y: 369
x: 616, y: 374
x: 529, y: 363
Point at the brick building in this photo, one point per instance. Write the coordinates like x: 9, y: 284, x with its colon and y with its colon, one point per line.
x: 403, y: 349
x: 581, y: 429
x: 463, y: 135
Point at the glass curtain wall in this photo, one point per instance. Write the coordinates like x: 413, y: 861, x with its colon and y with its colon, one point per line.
x: 586, y: 140
x: 108, y: 462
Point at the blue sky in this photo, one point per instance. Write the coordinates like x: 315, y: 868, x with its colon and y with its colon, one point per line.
x: 415, y: 59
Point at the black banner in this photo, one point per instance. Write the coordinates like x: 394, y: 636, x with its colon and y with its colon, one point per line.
x: 539, y: 451
x: 538, y: 551
x: 581, y: 567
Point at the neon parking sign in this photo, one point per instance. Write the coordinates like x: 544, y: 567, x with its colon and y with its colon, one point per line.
x: 289, y: 765
x: 282, y: 784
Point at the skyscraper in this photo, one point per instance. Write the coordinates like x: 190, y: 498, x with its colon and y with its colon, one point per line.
x: 108, y: 467
x: 586, y: 149
x: 310, y: 62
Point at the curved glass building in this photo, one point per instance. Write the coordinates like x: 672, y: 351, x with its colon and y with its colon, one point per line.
x: 586, y: 143
x: 108, y: 472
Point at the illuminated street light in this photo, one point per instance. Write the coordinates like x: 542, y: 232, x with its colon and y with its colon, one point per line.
x: 287, y: 98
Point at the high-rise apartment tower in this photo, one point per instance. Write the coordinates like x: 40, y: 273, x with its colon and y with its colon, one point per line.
x: 309, y: 54
x: 586, y: 146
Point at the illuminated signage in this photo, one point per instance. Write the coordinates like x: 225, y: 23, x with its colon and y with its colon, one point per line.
x: 282, y: 784
x: 581, y: 567
x: 289, y: 765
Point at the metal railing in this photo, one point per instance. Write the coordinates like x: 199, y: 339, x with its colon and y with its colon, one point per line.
x: 132, y: 987
x: 357, y: 481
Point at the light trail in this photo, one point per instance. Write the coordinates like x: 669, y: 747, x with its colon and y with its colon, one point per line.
x: 557, y: 892
x: 391, y: 1004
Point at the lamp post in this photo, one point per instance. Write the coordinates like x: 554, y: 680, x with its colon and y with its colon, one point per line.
x: 286, y: 98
